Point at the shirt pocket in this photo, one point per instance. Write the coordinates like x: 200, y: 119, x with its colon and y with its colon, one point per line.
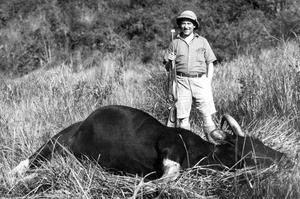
x: 200, y: 54
x: 180, y: 57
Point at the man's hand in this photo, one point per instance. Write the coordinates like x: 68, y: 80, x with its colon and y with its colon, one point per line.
x: 171, y: 56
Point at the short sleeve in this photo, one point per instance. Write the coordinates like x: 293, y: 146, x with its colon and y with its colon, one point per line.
x: 209, y: 54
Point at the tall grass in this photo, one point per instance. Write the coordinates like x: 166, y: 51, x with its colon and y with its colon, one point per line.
x: 261, y: 91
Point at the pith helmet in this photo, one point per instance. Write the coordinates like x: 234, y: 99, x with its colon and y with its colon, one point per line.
x: 188, y: 15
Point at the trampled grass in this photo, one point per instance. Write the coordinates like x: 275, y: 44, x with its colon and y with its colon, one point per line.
x: 262, y: 92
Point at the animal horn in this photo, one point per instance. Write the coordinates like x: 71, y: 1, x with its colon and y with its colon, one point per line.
x: 233, y: 124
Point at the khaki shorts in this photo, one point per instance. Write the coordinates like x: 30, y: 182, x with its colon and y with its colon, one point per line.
x: 197, y: 90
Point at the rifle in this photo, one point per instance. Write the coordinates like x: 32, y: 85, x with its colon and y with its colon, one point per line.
x: 172, y: 92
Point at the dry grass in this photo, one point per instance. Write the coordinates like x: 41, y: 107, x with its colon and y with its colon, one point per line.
x: 37, y: 106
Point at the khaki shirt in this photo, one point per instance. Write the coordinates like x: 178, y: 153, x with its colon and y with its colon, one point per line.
x: 192, y: 57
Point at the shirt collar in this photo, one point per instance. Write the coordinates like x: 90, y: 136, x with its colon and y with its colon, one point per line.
x: 195, y: 35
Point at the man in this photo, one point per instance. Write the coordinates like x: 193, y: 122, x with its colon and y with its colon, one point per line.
x: 194, y: 64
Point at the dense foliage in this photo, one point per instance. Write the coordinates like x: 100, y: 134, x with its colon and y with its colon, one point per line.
x: 43, y: 33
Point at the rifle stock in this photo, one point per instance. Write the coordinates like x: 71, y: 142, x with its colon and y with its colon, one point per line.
x: 172, y: 119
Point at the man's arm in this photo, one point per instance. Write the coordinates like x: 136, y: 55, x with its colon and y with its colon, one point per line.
x: 210, y: 71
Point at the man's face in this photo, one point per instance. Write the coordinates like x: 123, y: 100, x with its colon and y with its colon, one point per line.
x: 187, y: 27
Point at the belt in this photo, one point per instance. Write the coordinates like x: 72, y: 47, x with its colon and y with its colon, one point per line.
x: 190, y: 75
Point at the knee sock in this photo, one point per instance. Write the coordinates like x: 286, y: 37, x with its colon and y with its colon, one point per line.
x: 208, y: 126
x: 184, y: 123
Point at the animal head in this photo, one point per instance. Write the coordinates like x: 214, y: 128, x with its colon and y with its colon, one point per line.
x: 242, y: 150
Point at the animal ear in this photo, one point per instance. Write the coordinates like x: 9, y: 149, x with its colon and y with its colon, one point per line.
x: 219, y: 136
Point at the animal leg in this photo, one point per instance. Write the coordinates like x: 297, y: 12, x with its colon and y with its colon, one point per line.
x: 55, y: 144
x: 20, y: 169
x: 35, y: 160
x: 171, y: 171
